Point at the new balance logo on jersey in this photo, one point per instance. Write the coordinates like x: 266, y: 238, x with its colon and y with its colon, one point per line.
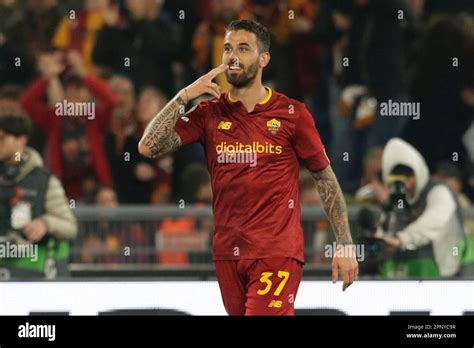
x: 225, y: 125
x: 275, y: 304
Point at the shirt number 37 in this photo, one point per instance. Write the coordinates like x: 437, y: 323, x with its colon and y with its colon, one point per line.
x: 265, y: 279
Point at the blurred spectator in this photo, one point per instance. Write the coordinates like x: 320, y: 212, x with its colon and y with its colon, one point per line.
x: 108, y: 240
x: 196, y: 184
x: 142, y: 48
x: 176, y: 237
x: 306, y: 52
x: 10, y: 99
x: 123, y: 116
x: 94, y: 248
x: 120, y: 143
x: 187, y: 13
x: 33, y: 206
x: 427, y: 224
x: 10, y: 14
x: 139, y: 180
x: 150, y: 102
x: 453, y: 7
x: 75, y: 140
x: 106, y: 197
x: 25, y: 37
x: 380, y: 38
x: 372, y: 189
x: 442, y: 80
x: 79, y: 32
x: 451, y: 175
x: 383, y: 58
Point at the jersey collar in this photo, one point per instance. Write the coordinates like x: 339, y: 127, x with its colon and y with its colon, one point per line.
x: 258, y: 107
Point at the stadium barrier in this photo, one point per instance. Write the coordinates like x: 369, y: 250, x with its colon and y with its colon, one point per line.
x: 168, y: 241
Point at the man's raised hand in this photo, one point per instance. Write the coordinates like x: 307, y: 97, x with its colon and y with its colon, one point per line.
x: 203, y: 85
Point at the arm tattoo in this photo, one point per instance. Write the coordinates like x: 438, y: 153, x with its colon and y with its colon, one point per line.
x: 159, y: 135
x: 334, y: 204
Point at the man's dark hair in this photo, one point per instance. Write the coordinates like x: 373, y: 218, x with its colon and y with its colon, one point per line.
x: 448, y: 169
x: 15, y: 122
x: 260, y: 31
x: 401, y: 169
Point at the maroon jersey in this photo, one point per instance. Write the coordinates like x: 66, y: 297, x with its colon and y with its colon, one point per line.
x: 253, y: 160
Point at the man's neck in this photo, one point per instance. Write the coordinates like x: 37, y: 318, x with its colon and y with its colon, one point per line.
x: 250, y: 95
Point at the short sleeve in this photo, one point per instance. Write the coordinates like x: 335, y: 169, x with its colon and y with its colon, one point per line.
x: 308, y: 144
x: 191, y: 126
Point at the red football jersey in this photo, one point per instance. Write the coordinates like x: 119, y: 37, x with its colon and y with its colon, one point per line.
x: 253, y: 160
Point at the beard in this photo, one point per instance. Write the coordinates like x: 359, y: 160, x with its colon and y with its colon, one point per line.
x: 245, y: 77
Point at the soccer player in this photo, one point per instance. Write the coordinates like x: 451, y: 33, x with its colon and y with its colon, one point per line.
x: 254, y: 138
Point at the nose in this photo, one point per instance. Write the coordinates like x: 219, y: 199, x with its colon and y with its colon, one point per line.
x: 234, y: 60
x: 232, y: 55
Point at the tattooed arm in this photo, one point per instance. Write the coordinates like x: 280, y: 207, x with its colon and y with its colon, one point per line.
x: 160, y: 137
x: 334, y: 204
x: 344, y: 259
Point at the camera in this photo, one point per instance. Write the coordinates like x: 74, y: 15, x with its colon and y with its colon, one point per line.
x: 397, y: 209
x: 369, y: 220
x: 389, y: 218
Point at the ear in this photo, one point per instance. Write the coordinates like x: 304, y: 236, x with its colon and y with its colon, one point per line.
x: 264, y: 59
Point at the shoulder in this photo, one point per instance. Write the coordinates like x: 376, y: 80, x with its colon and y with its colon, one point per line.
x: 33, y: 164
x: 295, y: 107
x: 54, y: 185
x: 203, y: 111
x: 200, y: 108
x: 209, y: 106
x: 441, y: 194
x: 206, y: 104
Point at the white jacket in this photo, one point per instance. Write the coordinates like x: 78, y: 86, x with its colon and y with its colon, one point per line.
x: 438, y: 224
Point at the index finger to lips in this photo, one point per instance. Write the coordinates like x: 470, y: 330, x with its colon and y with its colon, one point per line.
x: 216, y: 71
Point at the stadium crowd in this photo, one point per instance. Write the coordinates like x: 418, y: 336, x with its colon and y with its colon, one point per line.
x: 127, y: 58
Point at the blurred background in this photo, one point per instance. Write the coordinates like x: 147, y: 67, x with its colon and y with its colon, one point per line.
x: 140, y: 217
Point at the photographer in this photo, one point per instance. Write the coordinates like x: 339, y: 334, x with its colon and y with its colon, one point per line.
x: 426, y: 230
x: 34, y: 214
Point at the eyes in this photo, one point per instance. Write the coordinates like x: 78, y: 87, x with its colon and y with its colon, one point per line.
x: 228, y: 49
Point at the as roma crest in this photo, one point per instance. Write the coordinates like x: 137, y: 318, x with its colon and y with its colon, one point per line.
x: 273, y: 125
